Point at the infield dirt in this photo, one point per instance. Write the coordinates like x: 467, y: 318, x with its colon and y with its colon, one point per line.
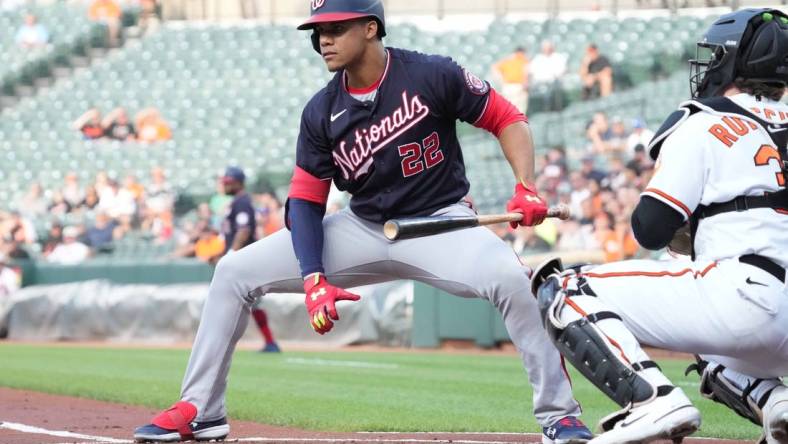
x: 115, y: 423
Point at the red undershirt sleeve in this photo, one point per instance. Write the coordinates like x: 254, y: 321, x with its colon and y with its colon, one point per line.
x: 307, y: 187
x: 498, y: 114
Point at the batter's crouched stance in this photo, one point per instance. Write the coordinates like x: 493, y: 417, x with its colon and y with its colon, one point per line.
x: 384, y: 130
x: 720, y: 167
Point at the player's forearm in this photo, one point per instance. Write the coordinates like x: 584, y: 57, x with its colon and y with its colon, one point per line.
x: 306, y: 228
x: 518, y: 148
x: 241, y: 238
x: 654, y: 223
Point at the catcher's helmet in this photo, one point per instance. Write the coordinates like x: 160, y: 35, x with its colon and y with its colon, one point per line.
x: 749, y: 44
x: 324, y: 11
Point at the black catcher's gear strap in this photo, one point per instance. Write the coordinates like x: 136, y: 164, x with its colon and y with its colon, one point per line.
x: 715, y: 386
x: 778, y: 200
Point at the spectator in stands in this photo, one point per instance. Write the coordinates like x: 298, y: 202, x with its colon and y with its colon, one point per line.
x: 617, y: 143
x: 53, y: 239
x: 151, y: 127
x: 132, y: 186
x: 33, y: 204
x: 117, y: 126
x: 16, y: 250
x: 102, y: 233
x: 527, y: 242
x: 91, y: 199
x: 32, y: 34
x: 640, y: 135
x: 10, y: 279
x: 89, y: 124
x: 548, y: 68
x: 210, y: 246
x: 149, y: 19
x: 72, y: 191
x: 101, y: 182
x: 589, y: 171
x: 71, y: 251
x: 109, y: 13
x: 572, y: 236
x: 579, y: 191
x: 640, y: 161
x: 119, y: 204
x: 59, y: 206
x: 599, y: 134
x: 596, y: 74
x: 18, y: 228
x: 159, y: 198
x: 270, y: 217
x: 162, y: 227
x: 512, y: 73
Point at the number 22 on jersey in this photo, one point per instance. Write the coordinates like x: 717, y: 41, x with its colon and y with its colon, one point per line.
x: 418, y: 157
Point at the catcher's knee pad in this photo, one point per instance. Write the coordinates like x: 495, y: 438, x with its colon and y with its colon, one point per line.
x: 715, y: 386
x: 587, y: 348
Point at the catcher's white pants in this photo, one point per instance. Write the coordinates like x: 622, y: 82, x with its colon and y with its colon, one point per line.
x: 469, y: 263
x: 706, y: 308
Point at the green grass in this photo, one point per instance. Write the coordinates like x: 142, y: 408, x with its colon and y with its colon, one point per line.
x: 339, y: 391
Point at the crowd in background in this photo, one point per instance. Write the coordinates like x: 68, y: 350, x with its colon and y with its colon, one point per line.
x: 601, y: 192
x: 75, y: 221
x: 32, y: 34
x: 518, y: 75
x: 88, y: 219
x: 148, y: 126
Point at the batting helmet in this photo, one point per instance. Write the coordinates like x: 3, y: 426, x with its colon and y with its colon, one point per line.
x: 325, y: 11
x: 750, y: 44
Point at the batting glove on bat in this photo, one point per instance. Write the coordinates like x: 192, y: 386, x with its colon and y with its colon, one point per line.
x: 527, y: 202
x: 321, y: 298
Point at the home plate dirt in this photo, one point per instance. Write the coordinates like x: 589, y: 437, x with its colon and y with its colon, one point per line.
x: 35, y: 418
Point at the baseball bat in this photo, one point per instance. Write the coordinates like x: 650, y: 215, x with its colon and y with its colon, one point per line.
x: 408, y: 228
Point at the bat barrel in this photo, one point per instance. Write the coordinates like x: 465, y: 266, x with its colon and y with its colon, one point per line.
x: 395, y: 229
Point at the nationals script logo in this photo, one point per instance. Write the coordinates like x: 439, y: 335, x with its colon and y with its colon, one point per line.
x: 317, y: 4
x: 355, y: 162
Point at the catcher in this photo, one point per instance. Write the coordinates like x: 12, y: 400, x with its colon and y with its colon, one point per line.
x: 721, y: 173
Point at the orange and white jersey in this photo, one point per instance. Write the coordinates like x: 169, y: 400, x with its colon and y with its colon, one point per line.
x: 714, y: 157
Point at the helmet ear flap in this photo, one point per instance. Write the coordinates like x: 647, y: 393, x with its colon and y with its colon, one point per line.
x: 315, y: 37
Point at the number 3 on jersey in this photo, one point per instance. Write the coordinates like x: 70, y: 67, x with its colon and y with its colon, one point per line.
x: 767, y: 153
x: 412, y: 160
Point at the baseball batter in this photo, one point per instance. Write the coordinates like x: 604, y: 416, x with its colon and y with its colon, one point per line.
x: 383, y: 129
x: 721, y: 167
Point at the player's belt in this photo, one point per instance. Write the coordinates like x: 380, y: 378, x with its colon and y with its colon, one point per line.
x: 765, y: 264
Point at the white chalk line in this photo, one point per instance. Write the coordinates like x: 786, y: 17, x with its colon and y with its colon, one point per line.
x: 93, y: 439
x: 60, y: 433
x: 338, y: 363
x: 381, y: 440
x: 331, y: 440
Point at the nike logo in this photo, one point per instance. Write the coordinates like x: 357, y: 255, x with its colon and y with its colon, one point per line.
x: 777, y: 129
x: 752, y: 282
x: 630, y: 419
x: 338, y: 115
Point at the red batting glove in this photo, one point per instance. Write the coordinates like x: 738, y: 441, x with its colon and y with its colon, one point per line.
x: 527, y: 202
x: 320, y: 301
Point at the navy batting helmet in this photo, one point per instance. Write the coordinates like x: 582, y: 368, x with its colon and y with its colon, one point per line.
x: 325, y: 11
x: 749, y: 44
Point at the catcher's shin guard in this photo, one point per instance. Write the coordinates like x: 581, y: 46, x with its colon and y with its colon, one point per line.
x: 716, y: 386
x: 589, y: 350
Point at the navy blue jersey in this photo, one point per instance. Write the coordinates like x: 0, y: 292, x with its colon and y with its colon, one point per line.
x: 398, y: 155
x: 240, y: 214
